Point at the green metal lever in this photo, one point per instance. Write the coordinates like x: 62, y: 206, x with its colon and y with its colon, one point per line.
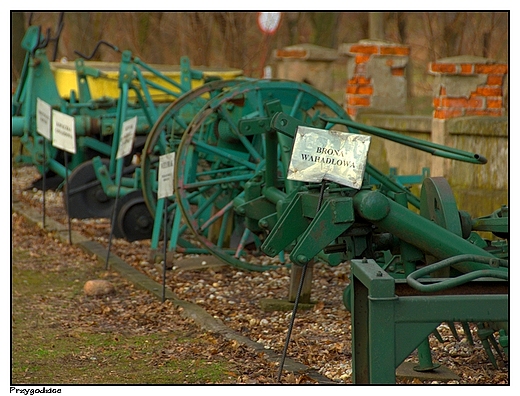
x: 423, y: 145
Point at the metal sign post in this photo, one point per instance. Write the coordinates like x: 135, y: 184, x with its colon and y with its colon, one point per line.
x: 320, y: 155
x: 126, y: 143
x: 165, y: 190
x: 43, y: 127
x: 268, y: 23
x: 64, y: 138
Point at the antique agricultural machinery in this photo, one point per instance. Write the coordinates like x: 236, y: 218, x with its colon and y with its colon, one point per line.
x: 409, y: 254
x: 100, y: 97
x: 416, y: 261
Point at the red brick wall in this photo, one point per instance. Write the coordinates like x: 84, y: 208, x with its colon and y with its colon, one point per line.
x: 486, y: 99
x: 360, y: 86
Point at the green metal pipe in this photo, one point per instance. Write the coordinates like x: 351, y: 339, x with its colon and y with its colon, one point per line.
x: 17, y: 124
x: 417, y: 230
x: 459, y: 280
x: 392, y: 185
x: 423, y: 145
x: 271, y: 159
x: 273, y: 194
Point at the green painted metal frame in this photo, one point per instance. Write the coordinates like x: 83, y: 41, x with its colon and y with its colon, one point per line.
x: 387, y: 327
x: 92, y: 118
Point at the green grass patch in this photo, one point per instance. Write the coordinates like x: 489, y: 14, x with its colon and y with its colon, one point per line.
x: 59, y: 336
x: 88, y: 358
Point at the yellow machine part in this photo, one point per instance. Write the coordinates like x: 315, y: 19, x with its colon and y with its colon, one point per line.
x: 107, y: 84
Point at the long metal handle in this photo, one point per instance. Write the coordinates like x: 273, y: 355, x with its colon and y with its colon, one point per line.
x: 459, y: 280
x: 423, y: 145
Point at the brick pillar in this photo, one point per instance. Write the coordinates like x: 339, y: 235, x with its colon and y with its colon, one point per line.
x: 306, y: 63
x: 464, y: 86
x: 376, y: 72
x: 468, y: 86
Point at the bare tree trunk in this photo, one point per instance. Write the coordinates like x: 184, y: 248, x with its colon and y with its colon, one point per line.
x: 324, y: 28
x: 17, y: 53
x: 429, y: 34
x: 84, y: 30
x: 453, y: 32
x: 293, y: 20
x: 376, y: 26
x: 402, y: 27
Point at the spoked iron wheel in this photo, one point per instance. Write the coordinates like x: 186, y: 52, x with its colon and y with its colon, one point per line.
x: 165, y: 135
x: 214, y: 159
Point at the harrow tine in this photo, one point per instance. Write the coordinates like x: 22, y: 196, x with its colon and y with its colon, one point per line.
x: 451, y: 325
x: 467, y: 331
x: 488, y: 340
x: 438, y: 336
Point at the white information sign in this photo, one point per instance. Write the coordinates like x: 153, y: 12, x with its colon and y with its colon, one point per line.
x: 126, y: 141
x: 63, y: 132
x: 320, y: 154
x: 43, y: 118
x: 166, y: 166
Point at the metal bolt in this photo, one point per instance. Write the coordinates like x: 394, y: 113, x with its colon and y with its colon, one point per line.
x: 379, y: 274
x: 302, y: 259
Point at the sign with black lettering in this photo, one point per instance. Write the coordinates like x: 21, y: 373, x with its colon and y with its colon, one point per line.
x: 126, y: 141
x: 165, y: 177
x: 43, y: 118
x: 320, y: 154
x: 63, y: 132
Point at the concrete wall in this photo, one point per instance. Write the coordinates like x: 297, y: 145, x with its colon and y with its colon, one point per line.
x: 478, y: 189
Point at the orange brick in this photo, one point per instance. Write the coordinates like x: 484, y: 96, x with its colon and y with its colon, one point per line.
x: 362, y: 58
x: 355, y: 100
x: 466, y: 68
x: 363, y: 80
x: 494, y: 103
x: 487, y: 90
x: 397, y: 71
x: 442, y: 91
x: 491, y: 69
x: 474, y: 102
x: 365, y: 90
x: 436, y: 102
x: 443, y: 67
x: 444, y: 114
x: 364, y: 49
x: 351, y: 89
x: 495, y: 79
x: 395, y: 50
x: 353, y: 80
x: 351, y: 111
x: 488, y: 112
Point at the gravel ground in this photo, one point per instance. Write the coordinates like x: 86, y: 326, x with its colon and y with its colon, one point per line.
x: 321, y: 336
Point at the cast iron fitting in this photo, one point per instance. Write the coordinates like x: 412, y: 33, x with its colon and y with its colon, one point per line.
x: 371, y: 205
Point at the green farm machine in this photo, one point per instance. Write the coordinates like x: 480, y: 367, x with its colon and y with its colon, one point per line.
x: 100, y: 97
x: 416, y: 261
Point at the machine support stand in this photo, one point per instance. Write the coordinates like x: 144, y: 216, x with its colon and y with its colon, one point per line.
x: 296, y: 276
